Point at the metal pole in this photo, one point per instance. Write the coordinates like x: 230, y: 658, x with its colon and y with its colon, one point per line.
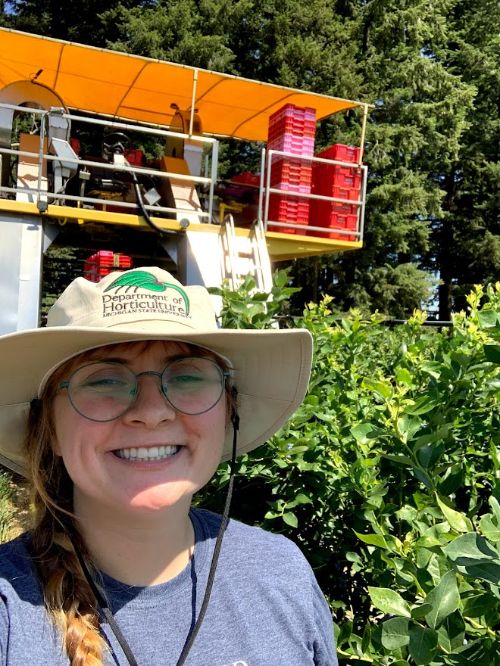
x: 193, y: 102
x: 213, y: 179
x: 268, y: 183
x: 363, y: 132
x: 361, y: 212
x: 261, y: 187
x: 40, y: 160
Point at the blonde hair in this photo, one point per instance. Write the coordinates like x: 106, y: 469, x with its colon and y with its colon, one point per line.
x: 67, y: 594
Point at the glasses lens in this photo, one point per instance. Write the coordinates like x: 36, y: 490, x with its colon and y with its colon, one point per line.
x: 102, y: 391
x: 193, y: 385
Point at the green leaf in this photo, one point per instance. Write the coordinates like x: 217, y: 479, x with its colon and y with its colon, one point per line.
x: 299, y: 499
x: 422, y: 405
x: 418, y: 612
x: 432, y: 368
x: 479, y: 604
x: 495, y: 506
x: 470, y: 548
x: 372, y: 539
x: 451, y: 633
x: 444, y: 599
x: 474, y: 557
x: 433, y: 436
x: 457, y: 521
x: 453, y: 479
x: 403, y: 376
x: 303, y: 499
x: 280, y: 279
x: 492, y: 353
x: 422, y: 476
x: 429, y: 455
x: 488, y: 318
x: 408, y: 425
x: 290, y: 519
x: 402, y: 460
x: 395, y: 633
x: 423, y: 644
x: 383, y: 389
x: 363, y: 432
x: 389, y: 601
x: 489, y: 527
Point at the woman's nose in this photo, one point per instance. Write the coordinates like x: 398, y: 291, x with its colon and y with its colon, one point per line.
x: 150, y: 407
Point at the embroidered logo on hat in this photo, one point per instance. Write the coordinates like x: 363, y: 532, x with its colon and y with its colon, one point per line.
x: 144, y: 280
x: 125, y: 302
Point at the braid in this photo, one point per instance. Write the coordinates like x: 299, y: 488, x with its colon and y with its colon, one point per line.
x: 68, y: 597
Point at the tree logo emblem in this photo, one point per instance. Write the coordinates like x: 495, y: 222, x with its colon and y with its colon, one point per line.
x: 144, y: 280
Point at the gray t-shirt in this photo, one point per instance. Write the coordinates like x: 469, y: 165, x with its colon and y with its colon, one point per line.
x: 266, y: 608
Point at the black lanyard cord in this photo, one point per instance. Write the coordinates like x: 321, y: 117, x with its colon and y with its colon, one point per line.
x: 101, y: 597
x: 104, y: 607
x: 218, y: 545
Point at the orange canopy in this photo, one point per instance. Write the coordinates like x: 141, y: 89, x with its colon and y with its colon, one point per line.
x: 142, y: 89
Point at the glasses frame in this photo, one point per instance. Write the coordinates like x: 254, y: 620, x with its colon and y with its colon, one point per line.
x: 225, y: 376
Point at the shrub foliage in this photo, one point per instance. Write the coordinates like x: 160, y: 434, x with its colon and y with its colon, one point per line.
x: 388, y: 477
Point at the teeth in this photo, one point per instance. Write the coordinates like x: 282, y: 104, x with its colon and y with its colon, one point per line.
x: 143, y: 453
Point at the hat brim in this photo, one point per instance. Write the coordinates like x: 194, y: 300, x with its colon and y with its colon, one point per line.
x: 271, y: 372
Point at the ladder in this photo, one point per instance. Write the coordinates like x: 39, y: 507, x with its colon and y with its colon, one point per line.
x: 245, y: 255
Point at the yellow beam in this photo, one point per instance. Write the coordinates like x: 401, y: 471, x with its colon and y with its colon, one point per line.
x: 281, y: 246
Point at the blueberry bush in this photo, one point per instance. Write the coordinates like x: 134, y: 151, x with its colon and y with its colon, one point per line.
x: 388, y: 477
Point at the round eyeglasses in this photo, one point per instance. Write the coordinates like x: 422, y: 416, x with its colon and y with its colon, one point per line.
x: 105, y: 390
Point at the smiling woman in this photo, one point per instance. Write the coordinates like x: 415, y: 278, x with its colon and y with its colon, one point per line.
x: 124, y: 414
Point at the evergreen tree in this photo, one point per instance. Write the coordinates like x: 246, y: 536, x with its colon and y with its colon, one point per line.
x: 431, y: 71
x: 414, y: 135
x: 72, y: 20
x: 466, y: 240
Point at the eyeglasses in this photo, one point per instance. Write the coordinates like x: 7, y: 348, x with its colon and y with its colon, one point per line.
x: 104, y: 391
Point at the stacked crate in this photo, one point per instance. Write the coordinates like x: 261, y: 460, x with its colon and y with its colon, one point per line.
x: 341, y: 182
x: 104, y: 262
x: 135, y: 156
x: 292, y: 130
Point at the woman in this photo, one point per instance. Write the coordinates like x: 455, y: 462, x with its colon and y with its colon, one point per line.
x: 118, y: 412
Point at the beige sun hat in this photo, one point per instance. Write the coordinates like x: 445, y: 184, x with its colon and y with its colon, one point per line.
x: 271, y: 367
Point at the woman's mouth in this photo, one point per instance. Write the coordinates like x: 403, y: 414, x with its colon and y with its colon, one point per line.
x: 150, y: 453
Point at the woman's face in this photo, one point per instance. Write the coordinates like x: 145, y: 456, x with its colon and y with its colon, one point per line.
x: 106, y: 473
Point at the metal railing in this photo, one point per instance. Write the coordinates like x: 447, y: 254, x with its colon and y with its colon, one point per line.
x: 266, y: 190
x: 43, y: 190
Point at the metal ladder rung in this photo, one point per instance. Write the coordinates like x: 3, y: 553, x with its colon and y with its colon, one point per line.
x: 253, y: 257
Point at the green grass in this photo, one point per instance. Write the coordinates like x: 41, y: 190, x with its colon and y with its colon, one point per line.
x: 6, y: 506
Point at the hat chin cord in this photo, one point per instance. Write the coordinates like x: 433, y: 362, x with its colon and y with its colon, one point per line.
x: 100, y: 595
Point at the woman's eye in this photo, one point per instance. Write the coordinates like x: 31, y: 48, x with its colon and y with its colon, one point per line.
x: 186, y: 379
x: 104, y: 383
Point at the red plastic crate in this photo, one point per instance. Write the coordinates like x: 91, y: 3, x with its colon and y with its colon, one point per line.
x: 291, y: 126
x: 246, y: 178
x: 134, y: 156
x: 333, y: 216
x: 288, y: 209
x: 104, y: 262
x: 304, y: 113
x: 292, y: 143
x: 346, y: 177
x: 292, y: 129
x: 342, y: 153
x: 327, y: 177
x: 75, y: 144
x: 292, y: 175
x: 328, y: 190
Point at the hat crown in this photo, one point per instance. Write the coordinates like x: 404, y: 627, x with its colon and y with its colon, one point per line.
x: 134, y: 299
